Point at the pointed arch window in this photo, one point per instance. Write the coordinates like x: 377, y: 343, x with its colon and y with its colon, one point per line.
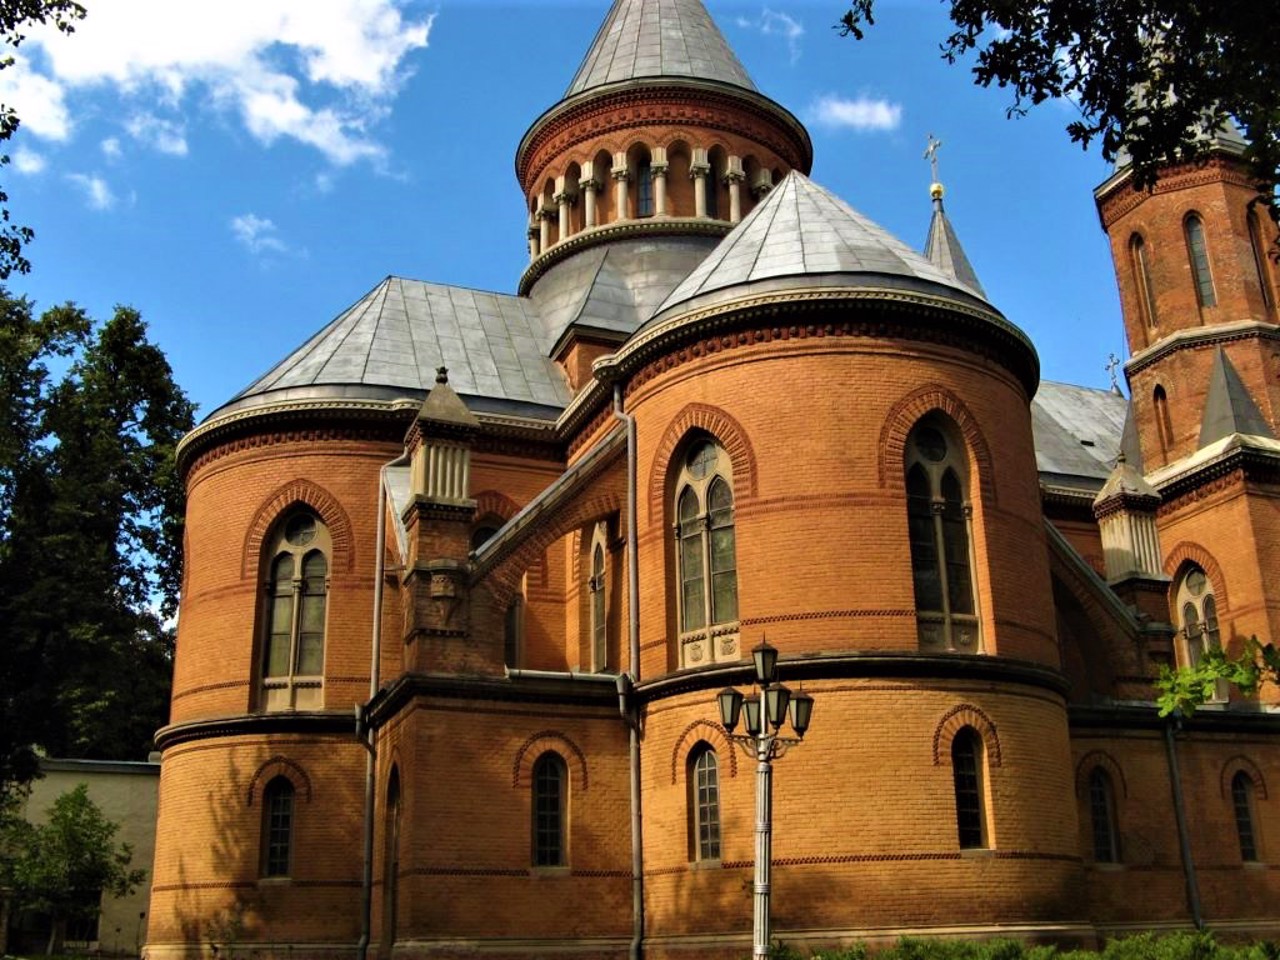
x: 1257, y: 245
x: 1198, y: 616
x: 296, y: 613
x: 1242, y: 802
x: 1142, y: 278
x: 1198, y: 253
x: 967, y: 773
x: 550, y: 801
x: 706, y: 552
x: 939, y: 522
x: 1164, y: 425
x: 703, y: 776
x: 277, y: 827
x: 597, y: 589
x: 1102, y: 817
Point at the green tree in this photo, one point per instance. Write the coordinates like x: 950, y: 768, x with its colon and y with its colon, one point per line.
x: 16, y: 18
x: 90, y: 537
x: 64, y: 866
x: 1151, y: 78
x: 1185, y: 688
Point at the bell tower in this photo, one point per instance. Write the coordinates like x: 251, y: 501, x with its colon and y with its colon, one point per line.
x: 1195, y: 260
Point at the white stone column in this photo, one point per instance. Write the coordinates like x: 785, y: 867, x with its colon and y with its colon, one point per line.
x: 589, y: 188
x: 544, y: 228
x: 698, y: 170
x: 620, y: 178
x: 532, y: 234
x: 658, y: 170
x: 734, y: 178
x: 764, y: 183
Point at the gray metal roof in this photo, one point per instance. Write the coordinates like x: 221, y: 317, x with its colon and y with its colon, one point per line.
x: 803, y: 230
x: 1228, y: 408
x: 397, y: 334
x: 616, y: 286
x: 942, y: 249
x: 658, y: 38
x: 1077, y: 431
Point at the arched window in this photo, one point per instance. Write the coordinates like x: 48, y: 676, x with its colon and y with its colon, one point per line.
x: 1258, y: 245
x: 391, y: 859
x: 277, y: 827
x: 1142, y: 278
x: 550, y: 796
x: 484, y: 531
x: 706, y: 553
x: 938, y: 523
x: 596, y: 587
x: 967, y: 773
x: 1242, y: 794
x: 1164, y: 425
x: 1198, y: 616
x: 703, y: 776
x: 294, y: 625
x: 1102, y: 816
x: 644, y: 185
x: 1199, y: 255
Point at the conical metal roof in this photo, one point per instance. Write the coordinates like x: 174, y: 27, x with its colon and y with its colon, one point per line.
x: 801, y: 231
x: 1228, y: 408
x: 658, y: 38
x: 942, y: 249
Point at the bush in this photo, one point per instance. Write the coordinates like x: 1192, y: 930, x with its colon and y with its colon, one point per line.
x: 1187, y: 945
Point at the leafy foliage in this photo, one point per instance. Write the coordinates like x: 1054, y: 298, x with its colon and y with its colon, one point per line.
x: 16, y: 18
x: 1186, y: 688
x: 1191, y: 945
x: 90, y: 535
x: 63, y: 866
x: 1151, y: 78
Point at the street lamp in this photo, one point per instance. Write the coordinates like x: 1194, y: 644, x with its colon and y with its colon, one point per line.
x: 765, y: 715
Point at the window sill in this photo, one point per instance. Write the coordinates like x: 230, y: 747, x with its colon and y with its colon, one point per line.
x: 976, y: 853
x: 705, y: 864
x: 1104, y: 867
x: 275, y: 881
x: 539, y: 873
x: 1254, y: 865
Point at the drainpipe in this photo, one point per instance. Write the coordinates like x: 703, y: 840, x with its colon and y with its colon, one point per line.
x: 1180, y: 815
x: 629, y: 679
x: 362, y: 732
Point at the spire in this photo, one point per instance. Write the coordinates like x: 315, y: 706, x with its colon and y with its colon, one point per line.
x: 1130, y: 447
x: 942, y: 247
x: 658, y: 38
x: 1125, y: 508
x: 444, y: 410
x: 1228, y: 408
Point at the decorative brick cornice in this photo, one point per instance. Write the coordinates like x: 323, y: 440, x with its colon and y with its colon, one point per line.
x: 1132, y: 502
x: 337, y: 724
x: 1117, y: 196
x: 1200, y: 338
x: 686, y: 101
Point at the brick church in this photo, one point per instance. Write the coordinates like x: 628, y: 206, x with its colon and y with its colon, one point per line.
x: 465, y: 572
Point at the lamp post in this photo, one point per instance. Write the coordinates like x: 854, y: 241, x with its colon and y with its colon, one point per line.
x: 765, y: 715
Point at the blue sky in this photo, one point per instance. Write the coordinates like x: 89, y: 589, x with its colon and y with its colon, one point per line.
x: 241, y: 171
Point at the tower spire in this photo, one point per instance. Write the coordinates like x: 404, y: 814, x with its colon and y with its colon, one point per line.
x: 942, y: 247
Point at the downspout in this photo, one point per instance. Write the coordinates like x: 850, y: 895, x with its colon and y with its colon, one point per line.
x: 364, y: 734
x: 1180, y: 815
x: 627, y: 681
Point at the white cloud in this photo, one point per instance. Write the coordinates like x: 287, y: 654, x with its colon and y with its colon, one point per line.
x: 771, y: 23
x: 111, y: 148
x: 40, y: 101
x: 862, y: 114
x: 318, y: 73
x: 166, y: 136
x: 96, y: 191
x: 258, y: 234
x: 27, y: 161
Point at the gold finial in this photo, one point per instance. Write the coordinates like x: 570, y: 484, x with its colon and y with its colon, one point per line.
x: 931, y: 154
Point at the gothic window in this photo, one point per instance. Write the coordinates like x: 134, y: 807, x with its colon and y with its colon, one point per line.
x: 704, y: 803
x: 277, y: 827
x: 1242, y: 794
x: 706, y: 553
x: 939, y: 526
x: 1102, y: 817
x: 550, y: 793
x: 596, y: 588
x: 967, y: 773
x: 1142, y: 278
x: 1198, y: 617
x: 294, y: 624
x: 1258, y: 245
x: 1199, y: 256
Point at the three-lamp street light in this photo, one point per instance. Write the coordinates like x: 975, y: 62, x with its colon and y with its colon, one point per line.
x: 766, y: 712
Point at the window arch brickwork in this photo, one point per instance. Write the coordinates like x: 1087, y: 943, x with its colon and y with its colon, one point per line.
x: 955, y: 719
x: 712, y: 733
x: 279, y: 766
x: 1099, y: 758
x: 549, y: 741
x: 1189, y: 552
x: 1251, y: 769
x: 725, y: 429
x: 293, y: 494
x: 907, y: 412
